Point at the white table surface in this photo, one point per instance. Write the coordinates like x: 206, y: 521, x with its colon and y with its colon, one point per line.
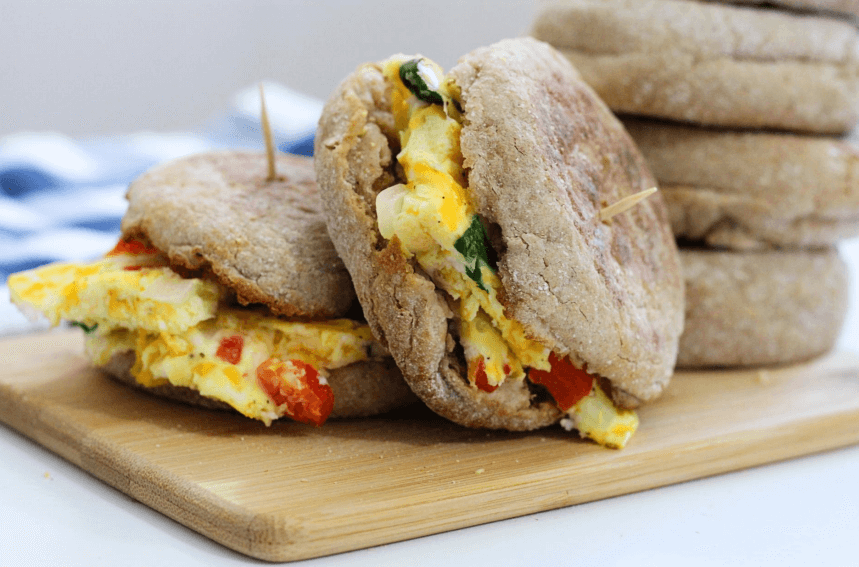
x: 799, y: 512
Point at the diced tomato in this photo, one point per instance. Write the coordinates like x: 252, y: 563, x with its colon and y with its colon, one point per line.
x: 565, y: 382
x: 295, y: 387
x: 230, y: 349
x: 480, y: 378
x: 132, y: 246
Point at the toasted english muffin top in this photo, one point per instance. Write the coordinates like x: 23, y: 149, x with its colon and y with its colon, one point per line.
x: 265, y: 240
x: 711, y: 64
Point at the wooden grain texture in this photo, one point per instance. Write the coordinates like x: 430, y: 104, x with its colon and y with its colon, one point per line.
x: 292, y: 491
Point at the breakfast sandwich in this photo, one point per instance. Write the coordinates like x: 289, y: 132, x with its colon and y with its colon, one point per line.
x: 745, y: 190
x: 761, y: 307
x: 710, y: 63
x: 226, y: 291
x: 471, y: 212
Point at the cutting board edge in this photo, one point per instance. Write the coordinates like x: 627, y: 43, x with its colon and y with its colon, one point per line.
x: 132, y: 475
x: 276, y: 537
x: 312, y: 548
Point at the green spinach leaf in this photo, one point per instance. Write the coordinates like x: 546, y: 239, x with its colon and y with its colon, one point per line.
x: 87, y: 329
x: 411, y: 77
x: 473, y: 246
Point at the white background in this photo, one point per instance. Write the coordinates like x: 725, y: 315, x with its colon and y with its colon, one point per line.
x: 100, y: 67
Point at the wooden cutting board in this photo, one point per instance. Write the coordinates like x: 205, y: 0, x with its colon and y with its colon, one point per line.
x: 292, y: 491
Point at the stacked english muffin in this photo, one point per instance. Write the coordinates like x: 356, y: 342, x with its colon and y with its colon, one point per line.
x: 740, y: 111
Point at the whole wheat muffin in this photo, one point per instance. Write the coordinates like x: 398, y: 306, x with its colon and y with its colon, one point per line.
x: 753, y: 190
x: 541, y: 155
x: 762, y: 307
x: 192, y: 304
x: 711, y: 64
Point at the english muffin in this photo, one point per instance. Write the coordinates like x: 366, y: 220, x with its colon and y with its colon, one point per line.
x: 752, y: 190
x: 760, y: 308
x: 711, y: 64
x: 466, y: 208
x: 185, y: 305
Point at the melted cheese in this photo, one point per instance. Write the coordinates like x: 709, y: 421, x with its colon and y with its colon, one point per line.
x: 176, y: 326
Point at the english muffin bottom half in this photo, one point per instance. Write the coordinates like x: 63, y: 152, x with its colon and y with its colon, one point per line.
x: 466, y: 208
x: 226, y: 292
x: 761, y: 307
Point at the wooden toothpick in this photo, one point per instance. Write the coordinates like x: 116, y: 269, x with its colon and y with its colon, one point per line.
x: 269, y: 140
x: 625, y: 204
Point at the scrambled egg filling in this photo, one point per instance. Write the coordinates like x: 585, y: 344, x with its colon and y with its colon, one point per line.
x: 434, y: 220
x: 182, y: 334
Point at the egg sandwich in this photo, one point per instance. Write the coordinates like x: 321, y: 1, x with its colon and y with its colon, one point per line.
x: 225, y: 291
x: 466, y: 208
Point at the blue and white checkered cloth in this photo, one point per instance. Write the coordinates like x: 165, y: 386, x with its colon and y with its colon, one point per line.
x: 62, y: 199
